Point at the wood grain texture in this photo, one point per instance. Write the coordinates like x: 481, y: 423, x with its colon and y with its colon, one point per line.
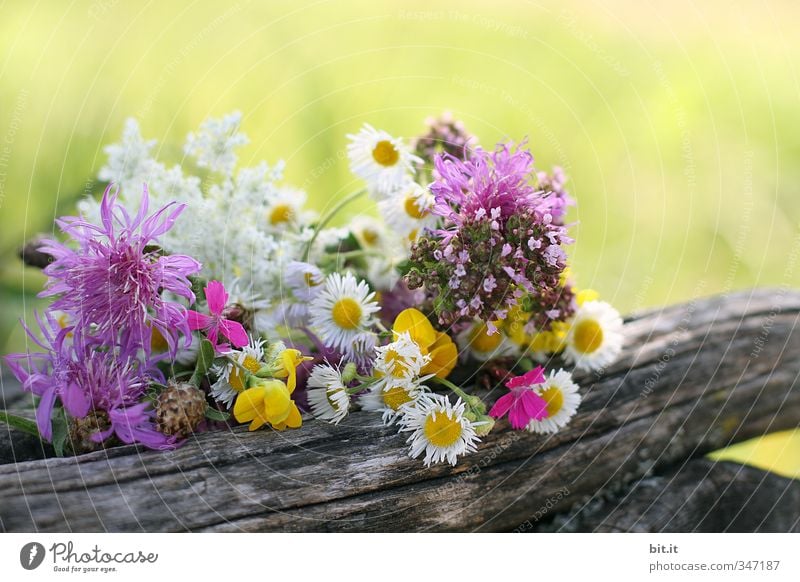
x: 701, y: 496
x: 692, y: 378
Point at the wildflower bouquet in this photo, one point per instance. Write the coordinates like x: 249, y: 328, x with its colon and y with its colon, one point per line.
x: 201, y: 294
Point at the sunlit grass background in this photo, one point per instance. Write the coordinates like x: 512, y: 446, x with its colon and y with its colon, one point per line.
x: 677, y: 122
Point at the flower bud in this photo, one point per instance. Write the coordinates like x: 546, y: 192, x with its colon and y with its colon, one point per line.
x: 476, y: 404
x: 483, y: 425
x: 349, y: 372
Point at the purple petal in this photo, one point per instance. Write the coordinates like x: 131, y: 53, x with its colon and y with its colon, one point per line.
x: 44, y: 414
x: 75, y: 401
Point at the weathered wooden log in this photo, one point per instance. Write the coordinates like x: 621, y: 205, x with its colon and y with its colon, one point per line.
x: 692, y: 378
x: 701, y: 496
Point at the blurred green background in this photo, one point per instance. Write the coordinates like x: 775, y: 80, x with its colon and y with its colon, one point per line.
x: 677, y: 122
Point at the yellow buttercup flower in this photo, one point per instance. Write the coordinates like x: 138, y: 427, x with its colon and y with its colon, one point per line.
x: 552, y: 341
x: 268, y: 402
x: 586, y: 295
x: 286, y: 366
x: 514, y: 326
x: 438, y: 345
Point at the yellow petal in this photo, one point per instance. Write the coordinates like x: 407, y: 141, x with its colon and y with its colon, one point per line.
x: 249, y: 404
x: 291, y: 358
x: 418, y: 327
x: 585, y: 295
x: 294, y: 420
x: 257, y: 423
x: 277, y: 402
x: 444, y: 356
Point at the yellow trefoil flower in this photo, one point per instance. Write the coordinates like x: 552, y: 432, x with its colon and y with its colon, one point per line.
x: 268, y: 402
x: 438, y: 345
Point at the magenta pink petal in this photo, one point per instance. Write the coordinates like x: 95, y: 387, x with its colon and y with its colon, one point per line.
x: 535, y: 376
x: 213, y: 335
x: 535, y: 406
x: 502, y: 406
x: 234, y: 331
x: 517, y: 417
x: 197, y: 320
x: 216, y: 297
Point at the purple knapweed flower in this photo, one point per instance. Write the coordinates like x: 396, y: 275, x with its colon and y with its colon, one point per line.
x: 134, y: 424
x: 76, y: 371
x: 114, y: 281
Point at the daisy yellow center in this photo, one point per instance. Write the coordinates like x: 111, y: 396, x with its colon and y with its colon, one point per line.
x: 396, y: 362
x: 309, y: 279
x: 346, y: 313
x: 370, y: 236
x: 483, y: 342
x: 237, y: 377
x: 412, y: 236
x: 330, y: 394
x: 412, y: 209
x: 442, y: 430
x: 395, y: 397
x: 385, y: 153
x: 554, y: 398
x: 281, y: 213
x: 588, y: 336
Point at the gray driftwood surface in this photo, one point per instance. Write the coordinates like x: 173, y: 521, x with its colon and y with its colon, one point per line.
x: 693, y: 378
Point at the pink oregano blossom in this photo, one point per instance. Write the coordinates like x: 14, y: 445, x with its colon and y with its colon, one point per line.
x: 216, y: 322
x: 522, y: 404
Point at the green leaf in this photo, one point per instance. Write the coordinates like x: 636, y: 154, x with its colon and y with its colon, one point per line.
x: 404, y: 267
x: 205, y: 357
x: 214, y: 414
x: 60, y: 431
x: 20, y: 423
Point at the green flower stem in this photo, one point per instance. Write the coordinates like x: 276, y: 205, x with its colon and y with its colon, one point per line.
x: 328, y: 217
x: 361, y: 387
x: 473, y: 402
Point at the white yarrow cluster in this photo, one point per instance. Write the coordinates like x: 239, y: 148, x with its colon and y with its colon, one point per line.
x: 245, y: 227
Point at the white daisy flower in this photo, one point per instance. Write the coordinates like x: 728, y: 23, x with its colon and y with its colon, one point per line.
x: 327, y: 394
x: 392, y: 401
x: 304, y: 279
x: 407, y: 210
x: 362, y: 349
x: 594, y: 339
x: 382, y: 271
x: 476, y: 342
x: 383, y: 161
x: 286, y: 207
x: 214, y: 144
x: 342, y: 312
x: 231, y: 378
x: 400, y: 362
x: 370, y: 233
x: 563, y: 399
x: 439, y: 429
